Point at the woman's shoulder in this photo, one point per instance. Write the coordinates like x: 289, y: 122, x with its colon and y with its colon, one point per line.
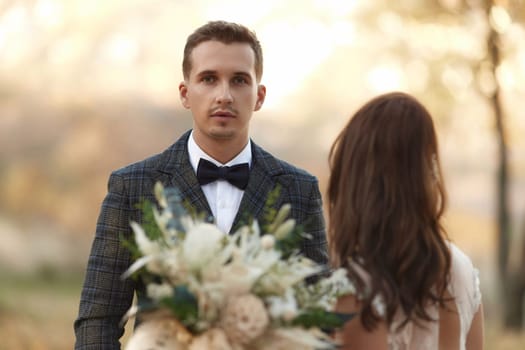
x: 458, y: 255
x: 462, y: 269
x: 464, y: 281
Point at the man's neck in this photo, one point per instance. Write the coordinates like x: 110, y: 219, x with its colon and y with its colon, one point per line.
x: 222, y: 151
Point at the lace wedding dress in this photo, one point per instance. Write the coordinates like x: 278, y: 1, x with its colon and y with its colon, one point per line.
x: 464, y: 287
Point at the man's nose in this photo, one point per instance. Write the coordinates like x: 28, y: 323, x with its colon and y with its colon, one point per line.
x: 224, y: 95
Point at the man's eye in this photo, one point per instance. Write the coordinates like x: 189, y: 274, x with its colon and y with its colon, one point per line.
x: 240, y: 80
x: 208, y: 79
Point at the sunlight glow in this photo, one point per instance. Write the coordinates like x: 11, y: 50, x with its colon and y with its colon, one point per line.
x: 121, y: 49
x: 521, y: 67
x: 450, y: 4
x: 384, y: 78
x: 343, y: 33
x: 49, y: 13
x: 336, y: 8
x: 506, y: 76
x: 65, y: 51
x: 14, y: 19
x: 292, y: 51
x: 296, y: 36
x: 485, y: 79
x: 241, y: 11
x: 500, y: 19
x: 390, y: 23
x: 87, y: 9
x: 457, y: 77
x: 417, y: 75
x: 13, y: 30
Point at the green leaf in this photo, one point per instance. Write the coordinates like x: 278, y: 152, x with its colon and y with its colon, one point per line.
x: 184, y: 305
x: 129, y: 243
x: 317, y: 317
x: 149, y: 225
x: 148, y: 220
x: 270, y: 211
x: 291, y: 243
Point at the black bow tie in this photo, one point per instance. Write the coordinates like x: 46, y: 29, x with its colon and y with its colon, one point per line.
x: 237, y: 175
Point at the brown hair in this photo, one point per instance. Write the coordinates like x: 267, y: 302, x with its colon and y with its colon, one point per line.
x: 227, y: 33
x: 386, y: 198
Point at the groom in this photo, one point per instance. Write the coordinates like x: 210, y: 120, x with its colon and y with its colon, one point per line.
x: 222, y: 69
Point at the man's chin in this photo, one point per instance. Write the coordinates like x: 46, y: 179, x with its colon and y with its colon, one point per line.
x: 222, y: 134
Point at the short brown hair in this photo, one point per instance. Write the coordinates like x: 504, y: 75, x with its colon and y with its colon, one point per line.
x: 227, y: 33
x: 386, y: 197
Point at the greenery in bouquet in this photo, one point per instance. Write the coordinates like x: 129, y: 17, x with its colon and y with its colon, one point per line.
x: 247, y: 290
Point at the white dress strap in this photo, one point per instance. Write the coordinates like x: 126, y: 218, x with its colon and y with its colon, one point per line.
x: 464, y: 287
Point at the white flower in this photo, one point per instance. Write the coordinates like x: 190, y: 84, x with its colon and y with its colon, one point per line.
x: 379, y: 305
x: 202, y: 242
x: 284, y: 229
x: 146, y: 246
x: 158, y: 189
x: 173, y: 269
x: 283, y: 307
x: 256, y: 230
x: 246, y: 291
x: 286, y: 273
x: 244, y: 319
x: 159, y: 291
x: 280, y: 217
x: 238, y: 278
x: 162, y: 219
x: 213, y: 339
x: 339, y: 282
x: 158, y: 334
x: 292, y: 339
x: 210, y: 302
x: 267, y: 242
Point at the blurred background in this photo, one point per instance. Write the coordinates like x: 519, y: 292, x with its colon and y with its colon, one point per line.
x: 88, y: 86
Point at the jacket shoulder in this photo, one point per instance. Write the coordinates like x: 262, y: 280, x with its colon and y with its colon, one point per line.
x: 281, y: 167
x: 148, y: 164
x: 163, y: 162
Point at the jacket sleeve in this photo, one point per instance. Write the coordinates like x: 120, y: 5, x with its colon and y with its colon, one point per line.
x: 105, y: 297
x: 315, y: 247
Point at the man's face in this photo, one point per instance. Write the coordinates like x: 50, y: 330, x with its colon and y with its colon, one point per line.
x: 222, y: 93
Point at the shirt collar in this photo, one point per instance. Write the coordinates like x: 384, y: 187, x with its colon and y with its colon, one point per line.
x: 196, y: 153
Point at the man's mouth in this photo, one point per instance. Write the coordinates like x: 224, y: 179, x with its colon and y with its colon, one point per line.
x: 223, y: 114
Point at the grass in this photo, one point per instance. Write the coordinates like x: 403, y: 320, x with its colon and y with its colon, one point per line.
x: 37, y: 313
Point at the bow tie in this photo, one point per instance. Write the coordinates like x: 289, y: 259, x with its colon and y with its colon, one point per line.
x: 237, y: 175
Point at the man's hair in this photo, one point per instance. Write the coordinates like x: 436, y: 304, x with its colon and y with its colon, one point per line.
x: 385, y: 200
x: 226, y: 33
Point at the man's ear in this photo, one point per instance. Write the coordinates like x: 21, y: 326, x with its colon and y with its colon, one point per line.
x: 183, y: 94
x: 261, y: 95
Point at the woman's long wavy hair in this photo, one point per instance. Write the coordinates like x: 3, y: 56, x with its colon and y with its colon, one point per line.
x: 386, y: 198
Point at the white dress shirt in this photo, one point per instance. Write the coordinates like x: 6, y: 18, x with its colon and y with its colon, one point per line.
x: 224, y: 198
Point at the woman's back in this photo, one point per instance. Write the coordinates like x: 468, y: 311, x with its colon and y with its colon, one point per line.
x: 453, y: 324
x: 455, y: 327
x: 386, y: 199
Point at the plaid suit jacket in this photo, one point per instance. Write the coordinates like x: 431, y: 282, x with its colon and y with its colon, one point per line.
x: 105, y: 297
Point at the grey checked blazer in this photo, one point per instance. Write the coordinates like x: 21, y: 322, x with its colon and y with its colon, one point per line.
x: 105, y: 297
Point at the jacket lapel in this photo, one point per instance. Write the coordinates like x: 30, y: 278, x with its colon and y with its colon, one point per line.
x: 265, y: 174
x: 176, y: 171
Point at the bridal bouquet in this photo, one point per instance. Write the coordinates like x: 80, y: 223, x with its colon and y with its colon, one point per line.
x: 211, y: 290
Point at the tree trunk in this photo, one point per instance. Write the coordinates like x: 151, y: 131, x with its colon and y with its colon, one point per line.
x: 514, y: 292
x: 512, y: 278
x: 502, y: 170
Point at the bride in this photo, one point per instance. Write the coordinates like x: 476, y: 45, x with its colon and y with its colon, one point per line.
x: 416, y: 289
